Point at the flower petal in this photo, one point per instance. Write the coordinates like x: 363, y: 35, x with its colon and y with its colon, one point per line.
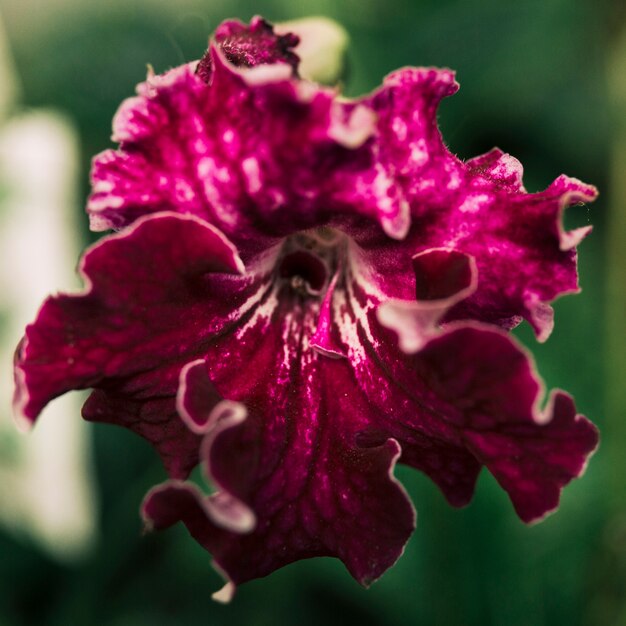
x: 311, y: 496
x: 442, y: 278
x: 495, y: 403
x: 473, y: 389
x: 262, y: 155
x: 122, y: 334
x: 359, y: 231
x: 446, y: 395
x: 259, y: 158
x: 524, y: 258
x: 251, y: 46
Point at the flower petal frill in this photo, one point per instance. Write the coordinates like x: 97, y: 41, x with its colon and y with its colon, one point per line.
x: 324, y: 427
x: 304, y: 291
x: 120, y: 336
x: 259, y: 161
x: 524, y: 257
x: 290, y: 470
x: 261, y: 155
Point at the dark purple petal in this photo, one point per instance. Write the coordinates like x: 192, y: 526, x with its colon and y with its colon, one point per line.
x: 534, y: 464
x: 441, y: 274
x: 262, y: 155
x: 532, y: 452
x: 524, y: 258
x: 152, y: 296
x: 442, y: 278
x: 250, y: 46
x: 322, y: 434
x: 312, y: 494
x: 471, y: 391
x: 255, y: 154
x: 324, y: 339
x: 362, y: 329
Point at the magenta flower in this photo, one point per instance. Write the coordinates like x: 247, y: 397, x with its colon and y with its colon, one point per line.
x: 306, y: 290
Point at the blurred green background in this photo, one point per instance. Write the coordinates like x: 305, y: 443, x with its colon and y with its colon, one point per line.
x: 536, y: 80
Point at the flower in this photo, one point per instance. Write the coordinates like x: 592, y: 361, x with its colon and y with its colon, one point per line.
x: 304, y: 291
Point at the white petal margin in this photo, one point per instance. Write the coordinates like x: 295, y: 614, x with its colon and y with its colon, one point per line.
x: 46, y: 483
x: 226, y: 593
x: 587, y: 193
x: 416, y: 321
x: 221, y: 508
x: 254, y: 76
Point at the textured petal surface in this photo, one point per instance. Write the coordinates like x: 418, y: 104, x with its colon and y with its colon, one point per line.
x: 262, y: 155
x: 313, y: 464
x: 291, y: 157
x: 461, y: 398
x: 259, y: 160
x: 312, y: 490
x: 331, y: 402
x: 480, y: 207
x: 305, y: 290
x: 122, y: 335
x: 489, y: 394
x: 251, y: 46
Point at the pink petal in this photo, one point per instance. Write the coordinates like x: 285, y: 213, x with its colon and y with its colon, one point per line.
x: 310, y: 497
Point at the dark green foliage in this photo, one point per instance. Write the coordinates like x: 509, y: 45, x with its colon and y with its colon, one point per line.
x: 532, y: 82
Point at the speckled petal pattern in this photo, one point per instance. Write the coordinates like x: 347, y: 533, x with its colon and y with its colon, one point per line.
x: 304, y: 291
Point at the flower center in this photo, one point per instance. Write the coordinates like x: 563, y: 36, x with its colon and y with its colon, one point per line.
x: 309, y: 260
x: 305, y: 271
